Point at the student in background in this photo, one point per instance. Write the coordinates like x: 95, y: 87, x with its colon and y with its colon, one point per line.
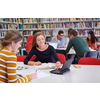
x: 67, y: 38
x: 60, y: 39
x: 79, y: 44
x: 69, y: 30
x: 44, y: 53
x: 70, y: 56
x: 92, y: 40
x: 29, y: 41
x: 11, y: 42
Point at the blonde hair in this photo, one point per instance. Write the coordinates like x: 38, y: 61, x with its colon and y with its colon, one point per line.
x: 11, y: 36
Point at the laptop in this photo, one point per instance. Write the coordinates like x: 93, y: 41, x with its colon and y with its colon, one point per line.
x: 54, y: 44
x: 65, y: 67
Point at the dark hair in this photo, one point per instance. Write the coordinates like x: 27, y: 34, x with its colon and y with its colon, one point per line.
x: 73, y: 32
x: 11, y: 36
x: 69, y: 30
x: 60, y: 32
x: 93, y: 38
x: 35, y: 31
x: 34, y: 40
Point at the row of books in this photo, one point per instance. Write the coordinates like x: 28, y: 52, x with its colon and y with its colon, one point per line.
x: 2, y: 34
x: 13, y: 20
x: 47, y: 33
x: 73, y: 19
x: 85, y: 32
x: 63, y: 25
x: 11, y: 26
x: 31, y: 20
x: 97, y: 32
x: 27, y: 33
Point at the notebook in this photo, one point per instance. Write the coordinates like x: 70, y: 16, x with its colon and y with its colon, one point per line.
x: 54, y: 44
x: 65, y: 67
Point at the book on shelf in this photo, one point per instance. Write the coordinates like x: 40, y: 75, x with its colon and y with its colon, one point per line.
x: 2, y: 34
x: 97, y: 32
x: 98, y: 24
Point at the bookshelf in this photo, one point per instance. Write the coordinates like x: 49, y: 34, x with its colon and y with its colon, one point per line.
x: 7, y: 24
x: 10, y: 24
x: 49, y: 26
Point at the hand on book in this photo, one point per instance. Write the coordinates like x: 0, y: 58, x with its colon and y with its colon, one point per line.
x: 37, y: 63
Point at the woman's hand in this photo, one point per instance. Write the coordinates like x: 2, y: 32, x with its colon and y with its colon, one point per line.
x: 34, y: 63
x: 58, y: 65
x: 33, y: 75
x: 37, y: 63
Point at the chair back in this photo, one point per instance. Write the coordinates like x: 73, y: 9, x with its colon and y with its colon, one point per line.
x: 61, y: 57
x: 89, y: 61
x: 92, y: 54
x: 21, y: 58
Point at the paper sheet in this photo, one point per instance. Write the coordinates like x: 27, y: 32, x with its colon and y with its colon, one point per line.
x: 40, y: 74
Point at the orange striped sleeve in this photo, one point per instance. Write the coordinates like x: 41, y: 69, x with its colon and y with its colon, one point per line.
x: 8, y: 68
x: 11, y: 71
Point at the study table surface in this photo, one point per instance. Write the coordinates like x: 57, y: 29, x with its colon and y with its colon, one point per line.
x: 85, y: 74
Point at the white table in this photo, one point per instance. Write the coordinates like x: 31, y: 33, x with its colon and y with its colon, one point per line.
x: 85, y: 74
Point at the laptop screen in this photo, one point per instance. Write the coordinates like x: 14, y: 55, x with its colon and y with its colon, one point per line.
x: 67, y: 64
x: 54, y: 44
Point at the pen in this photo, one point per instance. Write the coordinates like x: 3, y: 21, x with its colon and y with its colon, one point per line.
x: 35, y: 71
x: 20, y: 75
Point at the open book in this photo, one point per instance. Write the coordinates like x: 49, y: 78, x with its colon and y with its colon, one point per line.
x: 45, y: 66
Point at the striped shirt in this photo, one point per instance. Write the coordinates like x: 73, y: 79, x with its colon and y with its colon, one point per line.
x: 8, y: 68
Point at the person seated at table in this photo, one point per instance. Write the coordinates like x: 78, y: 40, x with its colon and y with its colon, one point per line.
x: 29, y: 41
x: 11, y: 42
x: 79, y: 44
x: 92, y: 40
x: 60, y: 39
x: 44, y: 53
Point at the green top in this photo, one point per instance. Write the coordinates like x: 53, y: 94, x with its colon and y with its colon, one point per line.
x: 79, y: 44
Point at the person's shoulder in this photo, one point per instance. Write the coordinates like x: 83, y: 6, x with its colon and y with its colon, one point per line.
x: 50, y: 47
x: 7, y: 52
x: 54, y: 37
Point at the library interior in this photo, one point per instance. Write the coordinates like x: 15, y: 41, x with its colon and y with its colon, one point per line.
x: 49, y: 50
